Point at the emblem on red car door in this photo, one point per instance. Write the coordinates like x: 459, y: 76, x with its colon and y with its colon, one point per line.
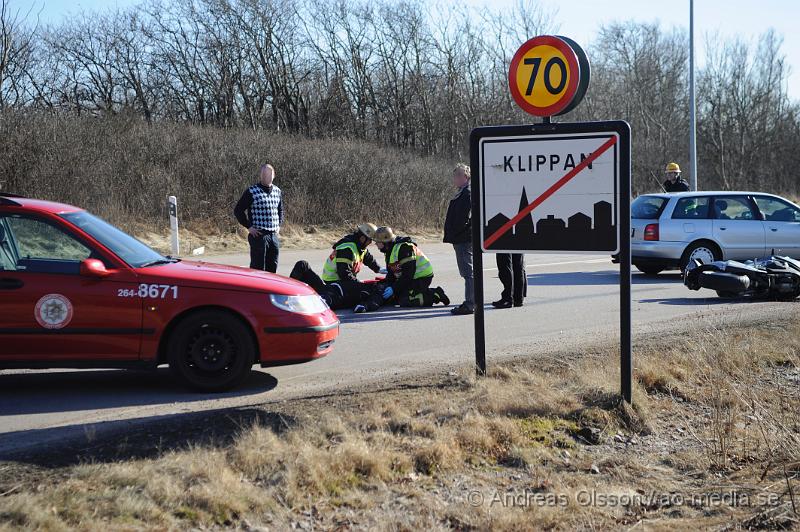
x: 53, y: 311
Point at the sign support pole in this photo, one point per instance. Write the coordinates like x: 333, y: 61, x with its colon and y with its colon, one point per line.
x: 477, y: 264
x: 625, y: 325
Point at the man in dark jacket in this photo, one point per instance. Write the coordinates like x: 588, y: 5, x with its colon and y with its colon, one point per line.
x: 458, y: 231
x: 339, y: 284
x: 260, y: 211
x: 674, y: 182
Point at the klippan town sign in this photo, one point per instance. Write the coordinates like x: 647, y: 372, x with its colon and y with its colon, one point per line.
x: 556, y: 192
x: 552, y: 187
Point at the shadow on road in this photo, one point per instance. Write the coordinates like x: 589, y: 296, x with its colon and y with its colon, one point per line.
x: 138, y: 438
x: 38, y: 393
x: 688, y: 301
x: 393, y: 313
x: 598, y: 278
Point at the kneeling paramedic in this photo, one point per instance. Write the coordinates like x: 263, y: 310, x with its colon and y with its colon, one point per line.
x: 410, y: 274
x: 339, y: 285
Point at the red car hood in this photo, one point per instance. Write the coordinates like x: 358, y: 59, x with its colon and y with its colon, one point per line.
x: 209, y: 275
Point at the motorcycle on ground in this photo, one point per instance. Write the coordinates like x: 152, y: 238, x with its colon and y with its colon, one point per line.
x: 767, y: 278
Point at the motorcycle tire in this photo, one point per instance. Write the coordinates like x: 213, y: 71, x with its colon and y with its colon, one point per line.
x: 787, y: 296
x: 724, y: 282
x: 727, y: 295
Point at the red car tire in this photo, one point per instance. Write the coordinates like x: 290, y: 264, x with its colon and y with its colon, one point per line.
x: 211, y: 351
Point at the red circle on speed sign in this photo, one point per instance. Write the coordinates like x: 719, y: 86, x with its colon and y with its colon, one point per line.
x: 544, y: 75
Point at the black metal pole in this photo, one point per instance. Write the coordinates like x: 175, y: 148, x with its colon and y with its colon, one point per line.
x: 626, y: 348
x: 480, y: 335
x: 477, y: 256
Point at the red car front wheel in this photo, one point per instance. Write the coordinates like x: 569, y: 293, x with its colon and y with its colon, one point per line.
x: 211, y: 351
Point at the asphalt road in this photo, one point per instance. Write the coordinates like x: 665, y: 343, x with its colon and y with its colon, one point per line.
x: 572, y: 300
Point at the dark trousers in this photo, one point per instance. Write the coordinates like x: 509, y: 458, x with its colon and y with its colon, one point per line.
x: 303, y: 272
x: 511, y: 270
x: 338, y: 294
x: 419, y: 294
x: 264, y: 251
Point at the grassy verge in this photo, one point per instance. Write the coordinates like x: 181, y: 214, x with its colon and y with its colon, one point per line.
x: 293, y: 236
x: 712, y: 441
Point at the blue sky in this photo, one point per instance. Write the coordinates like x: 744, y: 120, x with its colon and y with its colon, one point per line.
x: 579, y: 19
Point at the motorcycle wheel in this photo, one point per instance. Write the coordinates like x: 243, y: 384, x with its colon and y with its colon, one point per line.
x: 791, y: 296
x: 727, y: 295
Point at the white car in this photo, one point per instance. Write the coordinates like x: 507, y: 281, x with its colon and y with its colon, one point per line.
x: 670, y: 230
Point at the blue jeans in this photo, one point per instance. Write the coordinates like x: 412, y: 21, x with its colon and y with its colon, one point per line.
x: 264, y: 251
x: 464, y: 261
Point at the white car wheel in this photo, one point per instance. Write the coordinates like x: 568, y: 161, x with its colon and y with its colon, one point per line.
x: 703, y: 254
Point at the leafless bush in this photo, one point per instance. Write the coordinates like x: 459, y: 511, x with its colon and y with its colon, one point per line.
x: 415, y: 75
x: 123, y: 169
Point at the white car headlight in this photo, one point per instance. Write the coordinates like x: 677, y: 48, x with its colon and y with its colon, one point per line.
x: 309, y: 304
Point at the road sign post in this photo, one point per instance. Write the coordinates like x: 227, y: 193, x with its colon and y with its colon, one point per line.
x: 553, y: 188
x: 527, y: 179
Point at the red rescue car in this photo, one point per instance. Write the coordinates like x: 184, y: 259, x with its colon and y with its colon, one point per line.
x: 76, y: 292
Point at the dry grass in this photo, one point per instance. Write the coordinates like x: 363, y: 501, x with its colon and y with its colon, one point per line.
x: 123, y: 169
x: 293, y: 236
x: 716, y: 412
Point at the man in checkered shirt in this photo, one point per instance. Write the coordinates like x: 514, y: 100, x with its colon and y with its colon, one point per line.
x: 260, y: 210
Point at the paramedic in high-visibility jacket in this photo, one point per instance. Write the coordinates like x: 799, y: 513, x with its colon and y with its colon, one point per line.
x: 339, y: 284
x: 410, y: 273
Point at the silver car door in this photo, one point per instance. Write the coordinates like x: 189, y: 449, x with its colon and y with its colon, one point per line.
x: 737, y: 227
x: 690, y: 220
x: 782, y: 224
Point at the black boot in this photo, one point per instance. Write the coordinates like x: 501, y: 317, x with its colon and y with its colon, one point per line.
x: 462, y: 310
x: 502, y: 303
x: 440, y: 297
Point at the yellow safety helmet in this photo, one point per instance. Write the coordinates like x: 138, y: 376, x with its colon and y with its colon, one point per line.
x: 673, y: 167
x: 384, y: 235
x: 368, y: 230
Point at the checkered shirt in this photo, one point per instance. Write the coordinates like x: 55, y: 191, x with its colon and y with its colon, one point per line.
x: 266, y: 211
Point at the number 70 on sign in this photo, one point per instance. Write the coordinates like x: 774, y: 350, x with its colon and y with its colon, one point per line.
x: 549, y: 75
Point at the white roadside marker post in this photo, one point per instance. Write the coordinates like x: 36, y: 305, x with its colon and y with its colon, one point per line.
x: 173, y: 226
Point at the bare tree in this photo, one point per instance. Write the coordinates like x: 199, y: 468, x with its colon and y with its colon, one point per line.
x: 411, y: 73
x: 16, y: 56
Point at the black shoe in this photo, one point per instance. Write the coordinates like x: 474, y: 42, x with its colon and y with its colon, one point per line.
x: 518, y: 303
x: 441, y: 296
x: 462, y: 310
x: 502, y: 303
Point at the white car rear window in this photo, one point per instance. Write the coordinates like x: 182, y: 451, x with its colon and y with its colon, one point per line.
x: 647, y: 207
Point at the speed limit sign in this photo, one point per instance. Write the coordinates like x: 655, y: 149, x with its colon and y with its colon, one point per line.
x: 549, y: 75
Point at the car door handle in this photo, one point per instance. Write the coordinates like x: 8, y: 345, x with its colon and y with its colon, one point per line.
x: 773, y: 229
x: 10, y: 284
x: 722, y: 228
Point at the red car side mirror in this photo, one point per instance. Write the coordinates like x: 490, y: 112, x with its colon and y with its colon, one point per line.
x: 94, y: 268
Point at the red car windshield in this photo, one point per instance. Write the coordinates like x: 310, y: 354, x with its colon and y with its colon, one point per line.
x: 127, y: 248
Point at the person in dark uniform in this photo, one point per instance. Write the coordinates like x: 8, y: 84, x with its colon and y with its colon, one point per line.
x: 458, y: 231
x: 260, y: 210
x: 674, y: 182
x: 511, y: 270
x: 339, y: 285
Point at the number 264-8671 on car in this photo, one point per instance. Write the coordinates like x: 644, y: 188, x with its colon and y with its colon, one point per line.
x: 77, y: 292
